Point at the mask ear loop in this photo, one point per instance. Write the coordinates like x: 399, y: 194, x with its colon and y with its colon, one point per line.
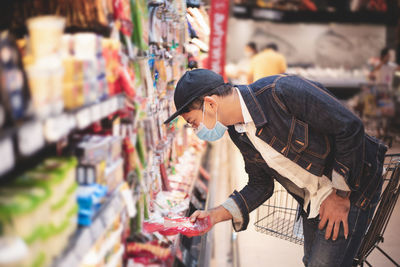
x: 204, y: 107
x: 216, y: 117
x: 216, y: 113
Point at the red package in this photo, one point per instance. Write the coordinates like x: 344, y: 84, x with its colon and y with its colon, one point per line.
x: 122, y: 14
x: 182, y: 225
x: 125, y: 82
x: 151, y: 251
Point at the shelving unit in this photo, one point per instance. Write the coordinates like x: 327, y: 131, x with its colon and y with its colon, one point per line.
x: 86, y: 237
x: 124, y: 80
x: 34, y: 135
x: 366, y: 17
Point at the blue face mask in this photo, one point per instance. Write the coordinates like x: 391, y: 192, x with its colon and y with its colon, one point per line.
x: 211, y: 134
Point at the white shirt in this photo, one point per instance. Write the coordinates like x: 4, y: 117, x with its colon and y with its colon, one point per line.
x: 386, y: 74
x: 316, y: 188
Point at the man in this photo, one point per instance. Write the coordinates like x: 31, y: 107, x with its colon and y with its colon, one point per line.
x: 384, y: 71
x: 241, y: 71
x: 292, y: 130
x: 250, y: 49
x: 266, y: 63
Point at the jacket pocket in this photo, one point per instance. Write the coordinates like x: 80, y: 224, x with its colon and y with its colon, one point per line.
x: 304, y: 139
x: 299, y: 135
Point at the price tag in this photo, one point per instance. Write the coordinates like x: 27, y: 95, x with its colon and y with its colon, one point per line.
x: 7, y: 153
x: 30, y: 138
x: 72, y: 123
x: 57, y: 127
x: 83, y: 118
x: 97, y: 229
x: 104, y: 109
x: 67, y: 261
x: 108, y: 215
x: 84, y: 243
x: 109, y: 107
x: 130, y: 203
x: 95, y: 112
x: 121, y: 100
x: 113, y: 104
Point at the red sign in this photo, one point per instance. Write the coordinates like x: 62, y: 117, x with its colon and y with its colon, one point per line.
x: 219, y: 24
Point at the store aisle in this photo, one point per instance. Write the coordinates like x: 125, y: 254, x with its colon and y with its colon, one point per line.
x: 257, y: 249
x: 221, y: 233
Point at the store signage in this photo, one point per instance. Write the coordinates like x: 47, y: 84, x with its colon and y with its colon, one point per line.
x: 219, y: 23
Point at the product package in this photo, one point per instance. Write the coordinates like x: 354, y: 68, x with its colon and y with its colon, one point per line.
x: 182, y: 225
x: 147, y: 253
x: 90, y: 199
x: 14, y: 92
x: 44, y: 192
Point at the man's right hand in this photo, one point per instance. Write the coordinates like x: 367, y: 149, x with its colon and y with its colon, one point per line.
x: 217, y: 215
x: 200, y: 214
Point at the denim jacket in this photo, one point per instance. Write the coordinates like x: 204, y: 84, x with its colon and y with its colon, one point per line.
x: 302, y: 120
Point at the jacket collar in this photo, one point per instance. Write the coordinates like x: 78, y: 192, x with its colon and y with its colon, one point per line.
x: 252, y: 104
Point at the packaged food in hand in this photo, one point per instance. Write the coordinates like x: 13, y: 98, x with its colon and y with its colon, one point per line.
x: 182, y: 225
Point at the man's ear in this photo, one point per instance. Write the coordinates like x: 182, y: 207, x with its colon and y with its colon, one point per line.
x: 209, y: 100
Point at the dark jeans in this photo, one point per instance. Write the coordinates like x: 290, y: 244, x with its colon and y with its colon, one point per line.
x: 341, y: 252
x: 319, y: 252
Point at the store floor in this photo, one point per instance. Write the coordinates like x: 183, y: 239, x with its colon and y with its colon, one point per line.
x: 257, y: 249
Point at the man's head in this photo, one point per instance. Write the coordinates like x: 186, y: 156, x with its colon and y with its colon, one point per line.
x: 250, y: 49
x: 201, y: 92
x: 272, y: 46
x: 385, y: 55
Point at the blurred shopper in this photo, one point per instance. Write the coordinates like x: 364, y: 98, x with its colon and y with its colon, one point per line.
x: 294, y: 131
x: 266, y: 63
x: 243, y: 66
x: 250, y: 50
x: 383, y: 72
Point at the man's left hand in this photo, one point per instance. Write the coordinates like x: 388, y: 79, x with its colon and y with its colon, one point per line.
x: 334, y: 210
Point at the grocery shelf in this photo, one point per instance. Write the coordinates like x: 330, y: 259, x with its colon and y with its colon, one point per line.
x: 342, y: 88
x: 341, y: 83
x: 257, y: 13
x: 188, y: 251
x: 85, y: 237
x: 142, y: 150
x: 23, y: 142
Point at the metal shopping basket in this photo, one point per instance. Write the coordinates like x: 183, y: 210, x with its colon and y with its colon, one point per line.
x: 387, y: 202
x: 277, y: 217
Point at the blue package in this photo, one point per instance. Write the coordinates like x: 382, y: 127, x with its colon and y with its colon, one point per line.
x: 89, y: 198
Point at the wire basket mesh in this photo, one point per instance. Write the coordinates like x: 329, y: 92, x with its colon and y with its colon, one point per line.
x: 278, y: 217
x: 387, y: 202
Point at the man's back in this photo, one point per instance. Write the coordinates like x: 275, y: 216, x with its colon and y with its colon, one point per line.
x: 267, y: 63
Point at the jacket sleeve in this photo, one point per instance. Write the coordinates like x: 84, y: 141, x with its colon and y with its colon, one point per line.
x: 259, y: 188
x: 313, y: 104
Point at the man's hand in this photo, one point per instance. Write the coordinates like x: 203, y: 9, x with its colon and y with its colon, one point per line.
x: 217, y: 215
x: 334, y: 210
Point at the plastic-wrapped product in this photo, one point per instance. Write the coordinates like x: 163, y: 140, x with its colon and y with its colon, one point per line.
x: 22, y: 209
x: 56, y: 173
x: 183, y: 225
